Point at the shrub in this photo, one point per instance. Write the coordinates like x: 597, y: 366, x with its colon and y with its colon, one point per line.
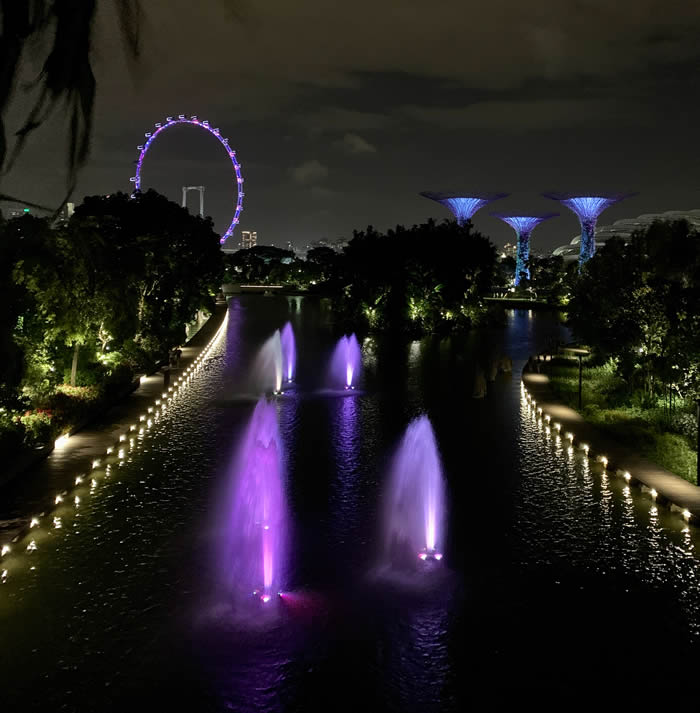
x: 37, y: 426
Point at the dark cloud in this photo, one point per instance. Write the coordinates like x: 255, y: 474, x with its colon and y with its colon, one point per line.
x: 499, y: 95
x: 309, y: 173
x: 352, y: 143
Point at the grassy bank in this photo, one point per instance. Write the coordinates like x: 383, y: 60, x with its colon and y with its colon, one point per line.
x: 641, y: 422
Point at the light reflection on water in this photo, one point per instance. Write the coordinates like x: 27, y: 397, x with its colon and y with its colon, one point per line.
x: 543, y: 550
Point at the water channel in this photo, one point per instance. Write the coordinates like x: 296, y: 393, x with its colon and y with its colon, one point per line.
x: 557, y: 582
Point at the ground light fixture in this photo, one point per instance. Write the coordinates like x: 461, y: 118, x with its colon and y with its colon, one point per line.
x: 122, y: 438
x: 530, y: 402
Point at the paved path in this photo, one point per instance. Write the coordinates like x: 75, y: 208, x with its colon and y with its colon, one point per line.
x: 677, y: 492
x: 34, y: 491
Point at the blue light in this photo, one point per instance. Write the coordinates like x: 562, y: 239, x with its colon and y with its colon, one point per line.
x: 463, y: 207
x: 523, y: 226
x: 587, y: 209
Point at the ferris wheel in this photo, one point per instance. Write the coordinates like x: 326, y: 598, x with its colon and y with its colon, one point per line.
x: 194, y: 121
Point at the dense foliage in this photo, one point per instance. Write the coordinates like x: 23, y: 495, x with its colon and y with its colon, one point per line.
x: 89, y: 302
x: 428, y: 278
x: 639, y: 303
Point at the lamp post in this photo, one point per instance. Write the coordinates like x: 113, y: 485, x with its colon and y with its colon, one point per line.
x: 579, y: 352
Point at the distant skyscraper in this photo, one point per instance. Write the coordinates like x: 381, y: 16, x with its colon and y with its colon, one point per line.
x: 249, y: 239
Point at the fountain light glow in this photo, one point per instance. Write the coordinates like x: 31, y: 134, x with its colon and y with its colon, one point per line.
x: 289, y: 352
x: 346, y: 362
x: 415, y: 514
x: 255, y: 524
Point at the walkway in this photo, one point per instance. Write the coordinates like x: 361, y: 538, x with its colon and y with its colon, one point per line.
x: 34, y: 491
x: 678, y: 493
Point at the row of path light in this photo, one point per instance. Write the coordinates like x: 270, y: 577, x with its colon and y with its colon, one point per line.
x: 544, y: 420
x: 67, y: 501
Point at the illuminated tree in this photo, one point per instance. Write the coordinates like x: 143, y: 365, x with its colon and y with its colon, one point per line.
x: 523, y: 225
x: 463, y: 207
x: 587, y: 208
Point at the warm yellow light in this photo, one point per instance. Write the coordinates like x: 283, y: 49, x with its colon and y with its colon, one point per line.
x: 686, y: 514
x: 585, y: 447
x: 34, y: 522
x: 604, y: 461
x: 627, y: 476
x: 57, y: 523
x: 58, y: 499
x: 558, y: 427
x: 654, y: 510
x: 76, y: 500
x: 157, y: 402
x: 547, y: 430
x: 61, y: 441
x: 31, y: 546
x: 570, y: 436
x: 5, y: 549
x: 132, y: 427
x: 150, y: 409
x: 547, y: 418
x: 539, y: 410
x: 78, y: 480
x: 121, y: 454
x: 95, y: 463
x: 149, y: 423
x: 142, y: 417
x: 653, y: 493
x: 110, y: 450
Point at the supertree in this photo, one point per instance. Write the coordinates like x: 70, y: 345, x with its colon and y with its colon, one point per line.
x: 587, y: 208
x: 463, y: 207
x: 523, y: 225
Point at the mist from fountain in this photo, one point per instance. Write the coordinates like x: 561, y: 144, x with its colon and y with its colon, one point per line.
x: 267, y: 370
x: 256, y: 525
x: 289, y: 352
x: 346, y: 363
x: 415, y: 505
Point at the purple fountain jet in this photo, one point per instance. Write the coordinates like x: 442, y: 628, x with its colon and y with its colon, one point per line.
x: 289, y: 353
x: 346, y: 363
x: 256, y: 527
x: 415, y: 506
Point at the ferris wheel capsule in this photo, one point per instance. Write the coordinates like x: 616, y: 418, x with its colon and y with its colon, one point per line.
x: 216, y: 132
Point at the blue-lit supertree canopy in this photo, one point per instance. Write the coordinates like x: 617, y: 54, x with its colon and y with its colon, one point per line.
x: 463, y: 207
x: 523, y: 225
x: 587, y: 208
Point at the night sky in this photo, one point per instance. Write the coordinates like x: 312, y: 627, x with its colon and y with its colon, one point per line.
x: 341, y: 112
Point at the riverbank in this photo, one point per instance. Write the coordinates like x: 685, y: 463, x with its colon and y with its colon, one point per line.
x: 105, y: 441
x: 616, y: 459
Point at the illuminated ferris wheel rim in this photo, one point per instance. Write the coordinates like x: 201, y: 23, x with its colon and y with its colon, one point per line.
x: 194, y: 121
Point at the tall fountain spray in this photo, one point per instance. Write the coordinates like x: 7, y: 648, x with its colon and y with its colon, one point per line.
x: 346, y: 362
x: 254, y: 554
x: 415, y: 506
x: 289, y: 352
x: 268, y: 367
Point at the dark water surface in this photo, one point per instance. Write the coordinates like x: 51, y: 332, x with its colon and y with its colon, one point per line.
x: 558, y: 584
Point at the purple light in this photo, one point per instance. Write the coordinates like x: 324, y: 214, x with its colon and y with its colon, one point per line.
x: 415, y: 506
x: 523, y: 226
x: 182, y: 119
x: 463, y: 207
x: 254, y: 552
x: 289, y: 352
x: 346, y: 363
x: 587, y: 209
